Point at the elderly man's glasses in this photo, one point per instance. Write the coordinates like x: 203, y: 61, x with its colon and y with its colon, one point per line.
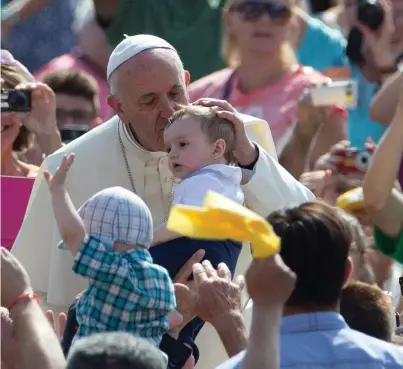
x: 253, y: 10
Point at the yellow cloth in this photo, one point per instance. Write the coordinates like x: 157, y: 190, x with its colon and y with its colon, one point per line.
x: 221, y: 218
x: 351, y: 200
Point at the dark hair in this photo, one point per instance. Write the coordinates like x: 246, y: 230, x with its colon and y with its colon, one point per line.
x: 367, y: 309
x: 114, y: 350
x: 13, y: 76
x: 315, y: 242
x: 74, y: 82
x: 212, y: 125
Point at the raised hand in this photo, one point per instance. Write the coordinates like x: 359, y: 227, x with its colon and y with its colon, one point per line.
x: 58, y: 180
x: 269, y: 282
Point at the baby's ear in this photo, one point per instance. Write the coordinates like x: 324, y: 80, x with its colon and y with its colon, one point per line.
x: 219, y: 149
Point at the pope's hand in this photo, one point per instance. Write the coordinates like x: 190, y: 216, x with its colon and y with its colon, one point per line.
x: 269, y: 282
x: 41, y: 120
x: 245, y: 151
x: 219, y: 297
x: 14, y: 278
x: 58, y: 180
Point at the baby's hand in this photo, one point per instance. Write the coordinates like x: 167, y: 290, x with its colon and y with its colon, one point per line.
x: 58, y: 180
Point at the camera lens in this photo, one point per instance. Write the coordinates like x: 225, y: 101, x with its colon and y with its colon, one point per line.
x: 18, y: 101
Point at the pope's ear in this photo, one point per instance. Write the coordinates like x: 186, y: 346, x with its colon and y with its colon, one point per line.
x: 115, y: 104
x: 187, y: 78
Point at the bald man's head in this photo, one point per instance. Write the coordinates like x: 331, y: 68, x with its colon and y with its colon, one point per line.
x: 146, y: 90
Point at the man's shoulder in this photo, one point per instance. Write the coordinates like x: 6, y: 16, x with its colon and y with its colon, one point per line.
x: 96, y: 140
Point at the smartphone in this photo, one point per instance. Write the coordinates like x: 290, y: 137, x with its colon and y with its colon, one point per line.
x: 177, y: 352
x: 337, y: 93
x: 16, y: 101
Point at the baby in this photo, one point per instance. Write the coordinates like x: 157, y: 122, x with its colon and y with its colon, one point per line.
x: 109, y: 237
x: 200, y: 147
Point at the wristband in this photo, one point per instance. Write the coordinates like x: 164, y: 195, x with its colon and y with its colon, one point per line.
x: 27, y: 295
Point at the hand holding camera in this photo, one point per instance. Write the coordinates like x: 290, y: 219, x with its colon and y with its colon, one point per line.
x: 41, y: 120
x: 34, y: 103
x: 309, y: 116
x: 374, y: 30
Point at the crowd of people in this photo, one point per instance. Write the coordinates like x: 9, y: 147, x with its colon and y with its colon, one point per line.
x: 201, y: 184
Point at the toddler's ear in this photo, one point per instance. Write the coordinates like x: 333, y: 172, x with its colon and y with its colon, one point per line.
x: 219, y: 148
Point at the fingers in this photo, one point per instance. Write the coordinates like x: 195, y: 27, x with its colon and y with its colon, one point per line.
x: 210, y: 271
x: 240, y: 281
x: 231, y: 116
x: 38, y: 89
x: 187, y: 269
x: 224, y: 272
x: 51, y: 319
x: 62, y: 321
x: 66, y: 163
x: 370, y: 144
x: 174, y: 319
x: 199, y: 273
x: 48, y: 176
x: 225, y: 105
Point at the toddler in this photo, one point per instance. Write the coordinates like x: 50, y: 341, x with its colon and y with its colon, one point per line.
x: 109, y: 237
x: 200, y: 147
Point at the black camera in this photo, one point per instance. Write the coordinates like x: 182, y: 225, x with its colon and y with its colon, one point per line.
x: 371, y: 14
x: 16, y: 100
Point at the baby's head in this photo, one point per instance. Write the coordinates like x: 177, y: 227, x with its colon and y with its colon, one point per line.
x: 195, y: 137
x: 118, y: 218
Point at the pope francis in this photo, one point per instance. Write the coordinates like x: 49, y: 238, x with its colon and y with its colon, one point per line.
x: 147, y: 84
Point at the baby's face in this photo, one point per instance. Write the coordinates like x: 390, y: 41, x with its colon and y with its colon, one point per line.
x: 188, y: 147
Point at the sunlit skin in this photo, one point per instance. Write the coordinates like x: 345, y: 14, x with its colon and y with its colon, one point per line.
x: 149, y: 89
x: 189, y: 149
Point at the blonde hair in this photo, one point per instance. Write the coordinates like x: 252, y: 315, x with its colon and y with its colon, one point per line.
x: 13, y: 76
x: 213, y: 126
x: 230, y: 51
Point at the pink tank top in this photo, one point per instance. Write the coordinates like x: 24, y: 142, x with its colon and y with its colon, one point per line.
x: 276, y: 103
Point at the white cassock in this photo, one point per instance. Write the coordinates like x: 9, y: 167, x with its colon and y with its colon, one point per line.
x: 99, y: 164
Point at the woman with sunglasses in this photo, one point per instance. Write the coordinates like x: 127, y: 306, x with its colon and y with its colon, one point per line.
x: 264, y: 78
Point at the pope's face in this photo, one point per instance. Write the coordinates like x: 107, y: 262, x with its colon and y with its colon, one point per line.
x: 149, y: 89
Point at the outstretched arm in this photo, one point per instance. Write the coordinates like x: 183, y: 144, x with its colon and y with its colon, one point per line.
x: 69, y: 222
x: 383, y: 202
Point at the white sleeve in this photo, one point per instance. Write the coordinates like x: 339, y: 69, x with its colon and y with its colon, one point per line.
x: 272, y: 188
x: 193, y: 190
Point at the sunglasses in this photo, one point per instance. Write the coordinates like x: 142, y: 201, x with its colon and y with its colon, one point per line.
x: 253, y: 10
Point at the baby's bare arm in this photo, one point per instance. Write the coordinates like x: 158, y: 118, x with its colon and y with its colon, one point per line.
x: 71, y: 226
x: 69, y: 222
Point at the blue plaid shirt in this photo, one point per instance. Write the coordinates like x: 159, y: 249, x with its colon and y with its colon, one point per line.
x: 126, y: 292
